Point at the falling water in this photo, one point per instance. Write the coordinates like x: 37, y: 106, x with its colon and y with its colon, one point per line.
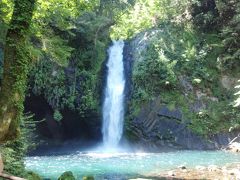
x: 113, y: 110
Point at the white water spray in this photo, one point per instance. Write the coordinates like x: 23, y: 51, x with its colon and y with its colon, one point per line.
x: 113, y: 108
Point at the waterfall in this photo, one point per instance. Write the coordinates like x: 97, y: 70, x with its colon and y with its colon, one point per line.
x: 113, y: 107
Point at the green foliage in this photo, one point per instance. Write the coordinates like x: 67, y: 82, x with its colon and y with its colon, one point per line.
x: 57, y: 115
x: 184, y: 49
x: 57, y: 50
x: 196, y: 39
x: 48, y: 79
x: 114, y: 9
x: 74, y: 86
x: 33, y: 176
x: 216, y: 118
x: 60, y: 13
x: 171, y: 51
x: 146, y: 14
x: 13, y: 152
x: 230, y: 59
x: 222, y: 18
x: 157, y: 67
x: 6, y: 9
x: 204, y: 14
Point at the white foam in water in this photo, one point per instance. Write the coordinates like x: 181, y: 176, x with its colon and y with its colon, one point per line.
x: 113, y: 107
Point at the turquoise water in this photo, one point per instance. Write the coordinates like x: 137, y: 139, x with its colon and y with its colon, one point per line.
x: 124, y: 164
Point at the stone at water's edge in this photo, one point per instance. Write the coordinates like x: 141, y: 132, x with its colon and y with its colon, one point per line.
x: 157, y: 126
x: 88, y: 178
x: 202, y: 172
x: 234, y: 147
x: 68, y: 175
x: 33, y: 176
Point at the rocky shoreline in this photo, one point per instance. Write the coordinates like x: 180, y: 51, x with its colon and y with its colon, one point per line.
x: 230, y: 171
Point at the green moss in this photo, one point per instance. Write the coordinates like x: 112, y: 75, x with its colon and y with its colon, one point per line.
x: 179, y: 51
x: 68, y: 175
x: 88, y: 178
x: 33, y: 176
x: 78, y: 85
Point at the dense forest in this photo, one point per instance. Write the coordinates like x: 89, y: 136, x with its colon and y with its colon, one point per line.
x: 182, y: 70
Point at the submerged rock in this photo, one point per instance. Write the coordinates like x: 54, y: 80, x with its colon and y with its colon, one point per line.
x: 33, y: 176
x: 88, y: 178
x: 182, y: 167
x: 68, y: 175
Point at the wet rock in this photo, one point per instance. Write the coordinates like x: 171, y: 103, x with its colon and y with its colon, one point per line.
x: 234, y: 172
x: 176, y: 114
x: 88, y: 178
x: 68, y: 175
x: 33, y: 176
x: 156, y: 124
x: 182, y: 167
x: 185, y: 84
x: 213, y: 168
x: 228, y: 82
x: 171, y: 173
x: 200, y: 168
x: 234, y: 147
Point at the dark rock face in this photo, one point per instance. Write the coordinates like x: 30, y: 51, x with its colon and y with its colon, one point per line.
x: 128, y: 65
x: 79, y: 108
x: 72, y: 125
x: 156, y: 126
x: 42, y: 110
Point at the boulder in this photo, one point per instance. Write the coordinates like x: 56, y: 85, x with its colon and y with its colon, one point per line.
x: 88, y: 178
x: 68, y: 175
x: 234, y: 147
x: 182, y: 167
x: 33, y: 176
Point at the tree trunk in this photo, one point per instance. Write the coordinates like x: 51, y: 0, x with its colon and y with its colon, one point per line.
x: 15, y: 70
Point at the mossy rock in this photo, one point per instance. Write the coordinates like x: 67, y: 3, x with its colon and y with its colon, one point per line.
x: 88, y: 178
x: 68, y: 175
x: 33, y: 176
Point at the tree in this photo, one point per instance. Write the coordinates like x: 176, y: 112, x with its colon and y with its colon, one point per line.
x: 15, y: 70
